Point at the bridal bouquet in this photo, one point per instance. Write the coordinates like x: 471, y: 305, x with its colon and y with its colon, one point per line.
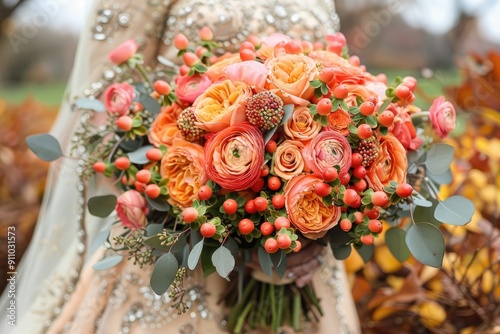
x: 244, y: 157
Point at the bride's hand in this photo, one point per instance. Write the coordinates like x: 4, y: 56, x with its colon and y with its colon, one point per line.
x: 303, y: 264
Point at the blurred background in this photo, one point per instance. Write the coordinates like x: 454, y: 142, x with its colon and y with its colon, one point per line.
x: 451, y: 46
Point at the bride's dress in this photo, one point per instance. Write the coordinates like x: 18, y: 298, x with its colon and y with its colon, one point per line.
x: 57, y: 290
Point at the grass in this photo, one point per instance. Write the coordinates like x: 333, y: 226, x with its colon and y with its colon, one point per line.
x: 49, y: 94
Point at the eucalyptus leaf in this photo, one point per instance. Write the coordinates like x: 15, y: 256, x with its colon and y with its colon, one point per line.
x: 194, y: 255
x: 426, y: 243
x: 420, y: 200
x: 426, y: 214
x: 108, y: 262
x: 164, y: 273
x: 178, y: 246
x: 280, y: 262
x: 341, y: 252
x: 158, y: 204
x: 99, y: 240
x: 232, y: 245
x: 139, y: 156
x: 155, y: 242
x: 439, y: 158
x: 102, y: 206
x: 223, y: 261
x: 288, y: 109
x: 395, y: 240
x: 154, y: 229
x: 444, y: 178
x: 456, y: 210
x: 265, y: 261
x: 90, y: 104
x: 150, y: 104
x: 132, y: 144
x: 45, y: 146
x: 366, y: 252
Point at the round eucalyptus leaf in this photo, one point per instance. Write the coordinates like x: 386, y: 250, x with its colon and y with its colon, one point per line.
x: 45, y: 146
x: 164, y: 273
x: 108, y: 262
x: 223, y: 261
x: 341, y: 252
x: 90, y: 104
x: 101, y: 206
x: 426, y: 243
x: 395, y: 240
x: 456, y: 210
x: 439, y: 158
x: 139, y: 156
x: 366, y: 252
x: 194, y: 255
x: 265, y: 261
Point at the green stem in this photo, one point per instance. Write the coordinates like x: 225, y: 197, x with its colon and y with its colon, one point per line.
x: 235, y: 312
x: 281, y: 296
x: 420, y: 115
x: 296, y: 311
x: 144, y: 74
x: 242, y: 318
x: 273, y: 308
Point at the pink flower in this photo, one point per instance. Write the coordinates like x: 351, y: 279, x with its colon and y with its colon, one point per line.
x: 404, y: 130
x: 123, y: 52
x: 250, y: 72
x: 118, y: 97
x: 131, y: 209
x: 443, y: 116
x: 274, y: 39
x: 190, y: 87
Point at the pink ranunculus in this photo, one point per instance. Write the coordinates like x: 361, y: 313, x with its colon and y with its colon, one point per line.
x: 443, y: 116
x: 118, y: 97
x: 123, y: 52
x: 131, y: 208
x: 190, y: 87
x: 273, y: 39
x: 250, y: 72
x: 404, y: 130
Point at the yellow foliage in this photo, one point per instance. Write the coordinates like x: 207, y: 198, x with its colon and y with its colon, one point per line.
x: 385, y: 260
x: 431, y: 314
x: 383, y: 312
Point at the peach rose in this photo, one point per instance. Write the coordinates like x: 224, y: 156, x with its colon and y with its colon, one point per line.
x: 443, y: 116
x: 329, y: 148
x: 222, y: 105
x: 250, y: 72
x: 118, y: 97
x: 288, y: 160
x: 290, y: 76
x: 339, y: 121
x: 344, y: 71
x: 184, y: 167
x: 164, y: 129
x: 234, y: 156
x: 301, y: 126
x: 391, y: 163
x: 131, y: 209
x: 217, y: 70
x: 123, y: 52
x: 190, y: 87
x: 306, y: 210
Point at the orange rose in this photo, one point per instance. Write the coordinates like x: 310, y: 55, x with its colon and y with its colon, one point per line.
x: 234, y: 156
x: 164, y: 128
x: 339, y: 121
x: 344, y: 71
x: 301, y: 125
x: 222, y: 105
x: 217, y: 70
x: 184, y: 166
x: 288, y: 160
x: 391, y: 163
x: 290, y: 76
x: 306, y: 210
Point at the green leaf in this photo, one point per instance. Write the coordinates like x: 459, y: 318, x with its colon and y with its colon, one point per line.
x: 99, y: 240
x: 90, y: 104
x: 150, y: 104
x: 45, y: 146
x: 154, y: 229
x: 341, y: 252
x: 265, y: 261
x: 456, y: 210
x: 139, y: 155
x: 371, y: 121
x: 420, y: 200
x: 395, y: 240
x: 384, y: 106
x: 335, y: 105
x: 164, y: 273
x: 194, y: 255
x: 366, y: 252
x: 158, y: 204
x: 439, y: 158
x: 288, y: 109
x: 444, y: 178
x: 279, y: 262
x: 108, y: 262
x: 223, y: 261
x: 426, y: 214
x: 426, y: 243
x: 101, y: 206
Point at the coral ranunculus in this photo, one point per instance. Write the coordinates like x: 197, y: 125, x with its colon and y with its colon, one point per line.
x: 234, y: 156
x: 391, y: 163
x: 123, y: 52
x: 118, y: 97
x: 131, y: 208
x: 344, y: 71
x: 327, y: 149
x: 339, y: 121
x: 222, y: 105
x: 164, y: 129
x: 189, y: 87
x: 288, y: 160
x: 184, y: 166
x: 301, y: 126
x: 306, y: 210
x: 443, y: 116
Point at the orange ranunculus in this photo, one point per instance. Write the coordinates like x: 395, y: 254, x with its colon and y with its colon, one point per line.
x: 290, y: 76
x: 306, y: 210
x: 234, y: 156
x: 222, y: 105
x: 391, y: 163
x: 217, y: 70
x: 164, y: 128
x: 184, y: 166
x: 288, y: 160
x: 329, y: 148
x: 301, y: 126
x: 344, y: 71
x: 339, y: 121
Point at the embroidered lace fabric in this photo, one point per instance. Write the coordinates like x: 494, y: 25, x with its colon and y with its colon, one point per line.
x: 58, y: 290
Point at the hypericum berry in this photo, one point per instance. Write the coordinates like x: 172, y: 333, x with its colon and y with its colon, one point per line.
x: 125, y: 123
x: 99, y: 167
x: 247, y: 45
x: 250, y: 207
x: 372, y: 213
x: 345, y: 225
x: 354, y: 60
x: 404, y: 190
x: 206, y: 34
x: 294, y: 47
x: 274, y: 183
x: 254, y: 40
x: 154, y: 154
x: 341, y: 92
x: 386, y: 118
x: 361, y: 185
x: 186, y: 124
x: 271, y: 146
x: 345, y: 178
x: 189, y: 215
x: 359, y: 172
x: 375, y: 226
x: 281, y: 222
x: 190, y: 59
x: 207, y: 230
x: 261, y: 204
x: 265, y: 110
x: 335, y: 47
x: 152, y: 191
x: 139, y: 186
x: 324, y: 106
x: 367, y: 239
x: 298, y: 246
x: 246, y: 226
x: 181, y: 42
x: 162, y: 87
x: 366, y: 108
x: 266, y: 228
x: 327, y: 75
x: 357, y: 159
x: 143, y: 176
x: 284, y: 241
x: 204, y: 193
x: 330, y: 174
x: 278, y: 201
x: 307, y: 47
x: 230, y: 206
x: 258, y: 185
x: 271, y: 245
x: 364, y: 131
x: 368, y: 149
x: 122, y: 163
x: 200, y: 51
x: 246, y: 55
x: 380, y: 198
x: 351, y: 198
x: 358, y: 217
x: 264, y: 171
x: 403, y: 92
x: 322, y: 189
